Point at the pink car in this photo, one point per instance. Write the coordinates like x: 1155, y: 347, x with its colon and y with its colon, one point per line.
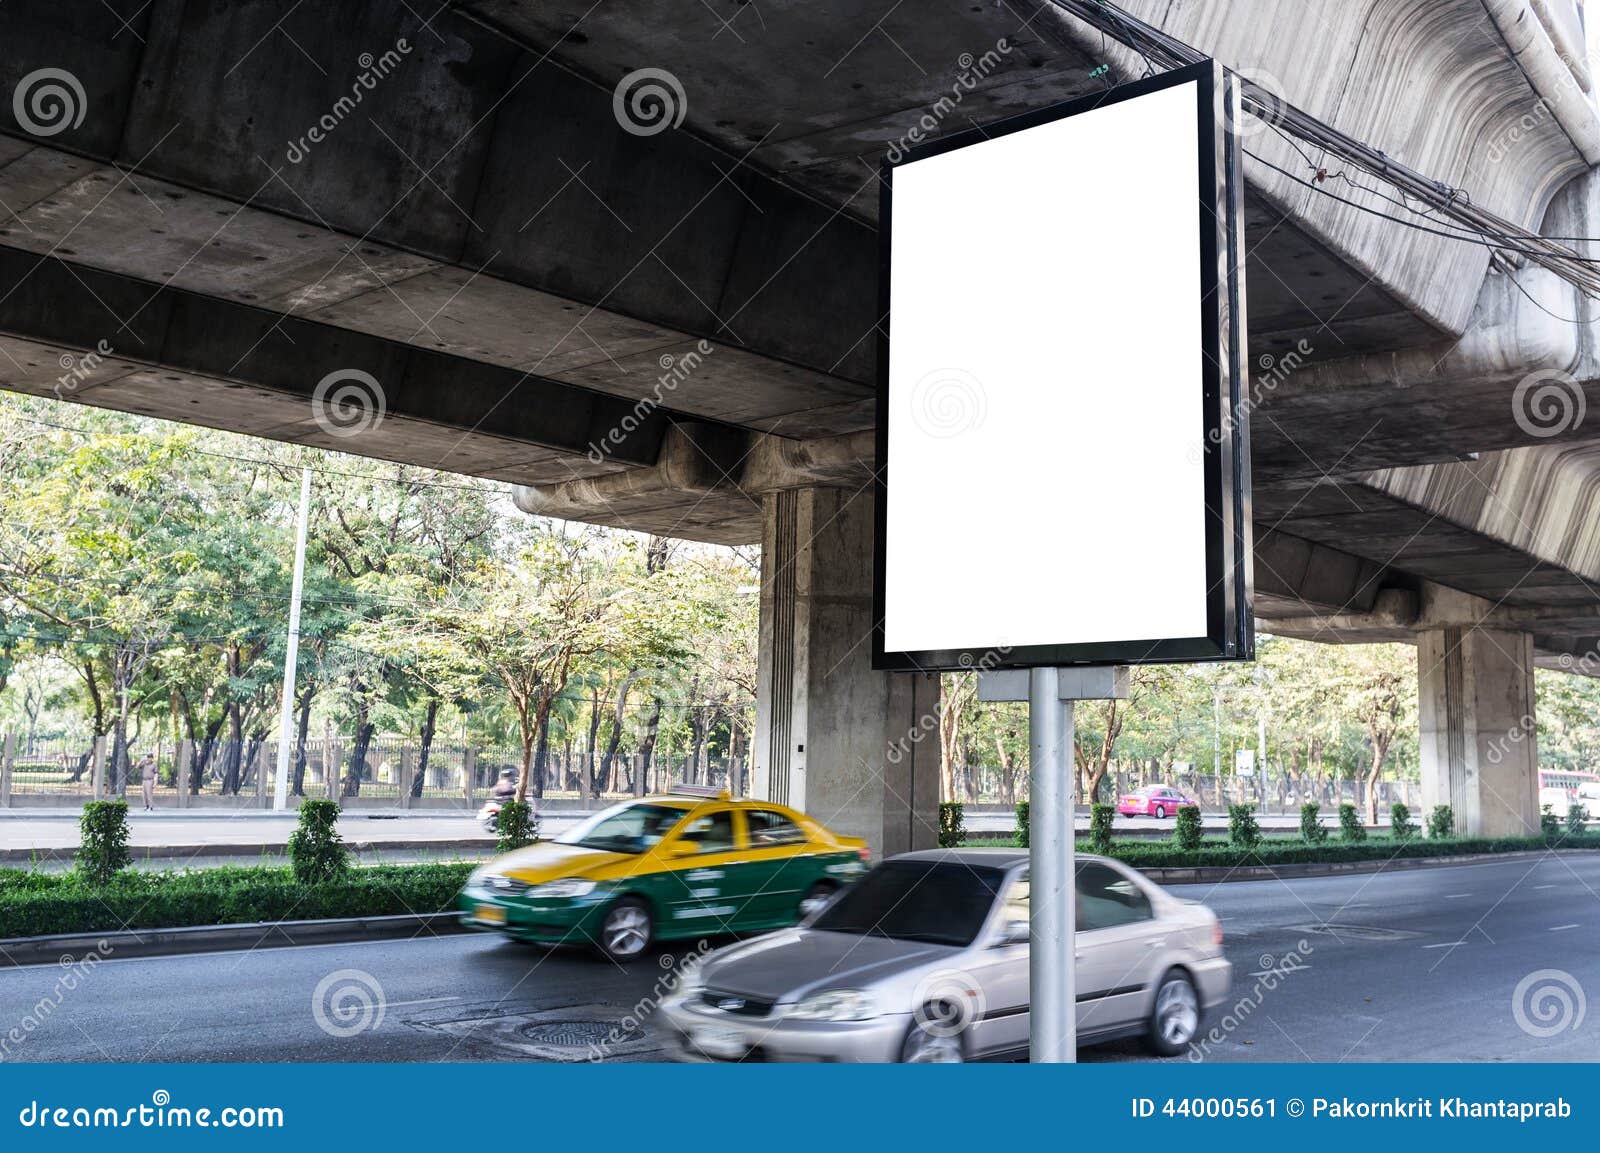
x: 1157, y: 801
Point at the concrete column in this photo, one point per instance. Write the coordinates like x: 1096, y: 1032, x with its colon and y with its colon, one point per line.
x: 469, y: 770
x: 1476, y: 712
x: 408, y: 776
x: 854, y: 748
x: 8, y: 758
x: 333, y: 768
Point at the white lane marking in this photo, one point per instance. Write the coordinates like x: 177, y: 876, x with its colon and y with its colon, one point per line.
x: 1558, y: 928
x: 1445, y: 945
x: 1544, y: 886
x: 1456, y: 896
x: 1279, y: 972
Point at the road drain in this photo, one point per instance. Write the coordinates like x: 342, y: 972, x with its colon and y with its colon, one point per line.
x: 590, y: 1032
x: 577, y: 1034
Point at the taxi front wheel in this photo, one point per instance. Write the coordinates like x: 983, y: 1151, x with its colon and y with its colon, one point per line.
x: 626, y: 929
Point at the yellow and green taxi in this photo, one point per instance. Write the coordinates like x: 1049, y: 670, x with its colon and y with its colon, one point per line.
x: 686, y: 864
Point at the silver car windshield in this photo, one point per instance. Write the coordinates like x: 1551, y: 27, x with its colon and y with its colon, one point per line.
x: 936, y: 902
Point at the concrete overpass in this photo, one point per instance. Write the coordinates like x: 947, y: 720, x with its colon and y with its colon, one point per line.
x: 625, y: 257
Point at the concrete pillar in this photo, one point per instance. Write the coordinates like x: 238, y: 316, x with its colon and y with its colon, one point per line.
x: 408, y: 776
x: 854, y: 748
x: 469, y: 773
x: 8, y: 758
x: 333, y: 768
x: 1479, y: 747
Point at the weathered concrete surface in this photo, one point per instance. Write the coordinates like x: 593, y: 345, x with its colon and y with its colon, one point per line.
x: 857, y: 749
x: 1478, y: 740
x: 531, y: 271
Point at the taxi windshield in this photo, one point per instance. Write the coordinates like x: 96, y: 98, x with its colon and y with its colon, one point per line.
x: 626, y: 828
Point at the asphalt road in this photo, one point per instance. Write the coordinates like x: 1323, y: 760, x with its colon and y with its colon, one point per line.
x: 1408, y: 966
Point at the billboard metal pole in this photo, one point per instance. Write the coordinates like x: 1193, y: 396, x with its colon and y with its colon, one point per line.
x: 280, y: 790
x: 1051, y: 956
x: 1052, y: 695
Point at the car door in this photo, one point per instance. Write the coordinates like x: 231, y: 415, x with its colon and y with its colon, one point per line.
x: 1118, y: 947
x: 778, y: 868
x: 999, y: 973
x: 706, y: 890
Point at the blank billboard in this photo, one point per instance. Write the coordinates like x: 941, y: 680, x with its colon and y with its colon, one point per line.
x: 1060, y: 443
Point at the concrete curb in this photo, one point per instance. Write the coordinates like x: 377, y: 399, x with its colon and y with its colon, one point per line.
x: 259, y: 849
x: 1216, y: 874
x: 64, y: 948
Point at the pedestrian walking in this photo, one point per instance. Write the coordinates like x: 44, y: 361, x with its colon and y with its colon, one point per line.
x: 147, y: 781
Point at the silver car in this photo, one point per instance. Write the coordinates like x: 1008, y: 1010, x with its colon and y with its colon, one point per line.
x: 926, y: 959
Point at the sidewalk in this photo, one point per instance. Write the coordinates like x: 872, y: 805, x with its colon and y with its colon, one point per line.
x: 50, y: 834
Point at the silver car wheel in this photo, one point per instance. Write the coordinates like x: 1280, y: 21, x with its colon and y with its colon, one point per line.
x: 626, y: 931
x: 1177, y: 1011
x: 928, y: 1047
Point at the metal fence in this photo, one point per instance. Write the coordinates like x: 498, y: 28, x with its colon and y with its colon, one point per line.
x: 392, y: 773
x: 1273, y: 794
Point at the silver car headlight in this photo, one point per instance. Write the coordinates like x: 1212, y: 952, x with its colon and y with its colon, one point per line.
x: 565, y: 887
x: 835, y: 1005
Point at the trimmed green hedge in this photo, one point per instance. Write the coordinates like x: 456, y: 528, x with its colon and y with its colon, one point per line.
x: 35, y: 904
x: 1286, y: 851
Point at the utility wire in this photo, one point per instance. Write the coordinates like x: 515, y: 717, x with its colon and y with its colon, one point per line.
x: 1149, y: 41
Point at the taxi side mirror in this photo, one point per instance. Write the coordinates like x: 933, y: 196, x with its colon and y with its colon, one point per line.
x: 683, y: 848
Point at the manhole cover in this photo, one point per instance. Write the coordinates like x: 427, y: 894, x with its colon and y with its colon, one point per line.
x: 576, y: 1034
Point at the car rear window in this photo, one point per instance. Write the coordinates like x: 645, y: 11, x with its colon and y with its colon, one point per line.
x: 936, y: 902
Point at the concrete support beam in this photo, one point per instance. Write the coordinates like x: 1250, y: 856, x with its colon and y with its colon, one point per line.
x: 1476, y: 711
x: 184, y: 356
x: 855, y: 748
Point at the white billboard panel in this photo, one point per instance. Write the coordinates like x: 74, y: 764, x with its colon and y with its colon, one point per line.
x: 1062, y: 480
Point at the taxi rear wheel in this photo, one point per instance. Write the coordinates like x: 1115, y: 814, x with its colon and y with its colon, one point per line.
x: 626, y: 930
